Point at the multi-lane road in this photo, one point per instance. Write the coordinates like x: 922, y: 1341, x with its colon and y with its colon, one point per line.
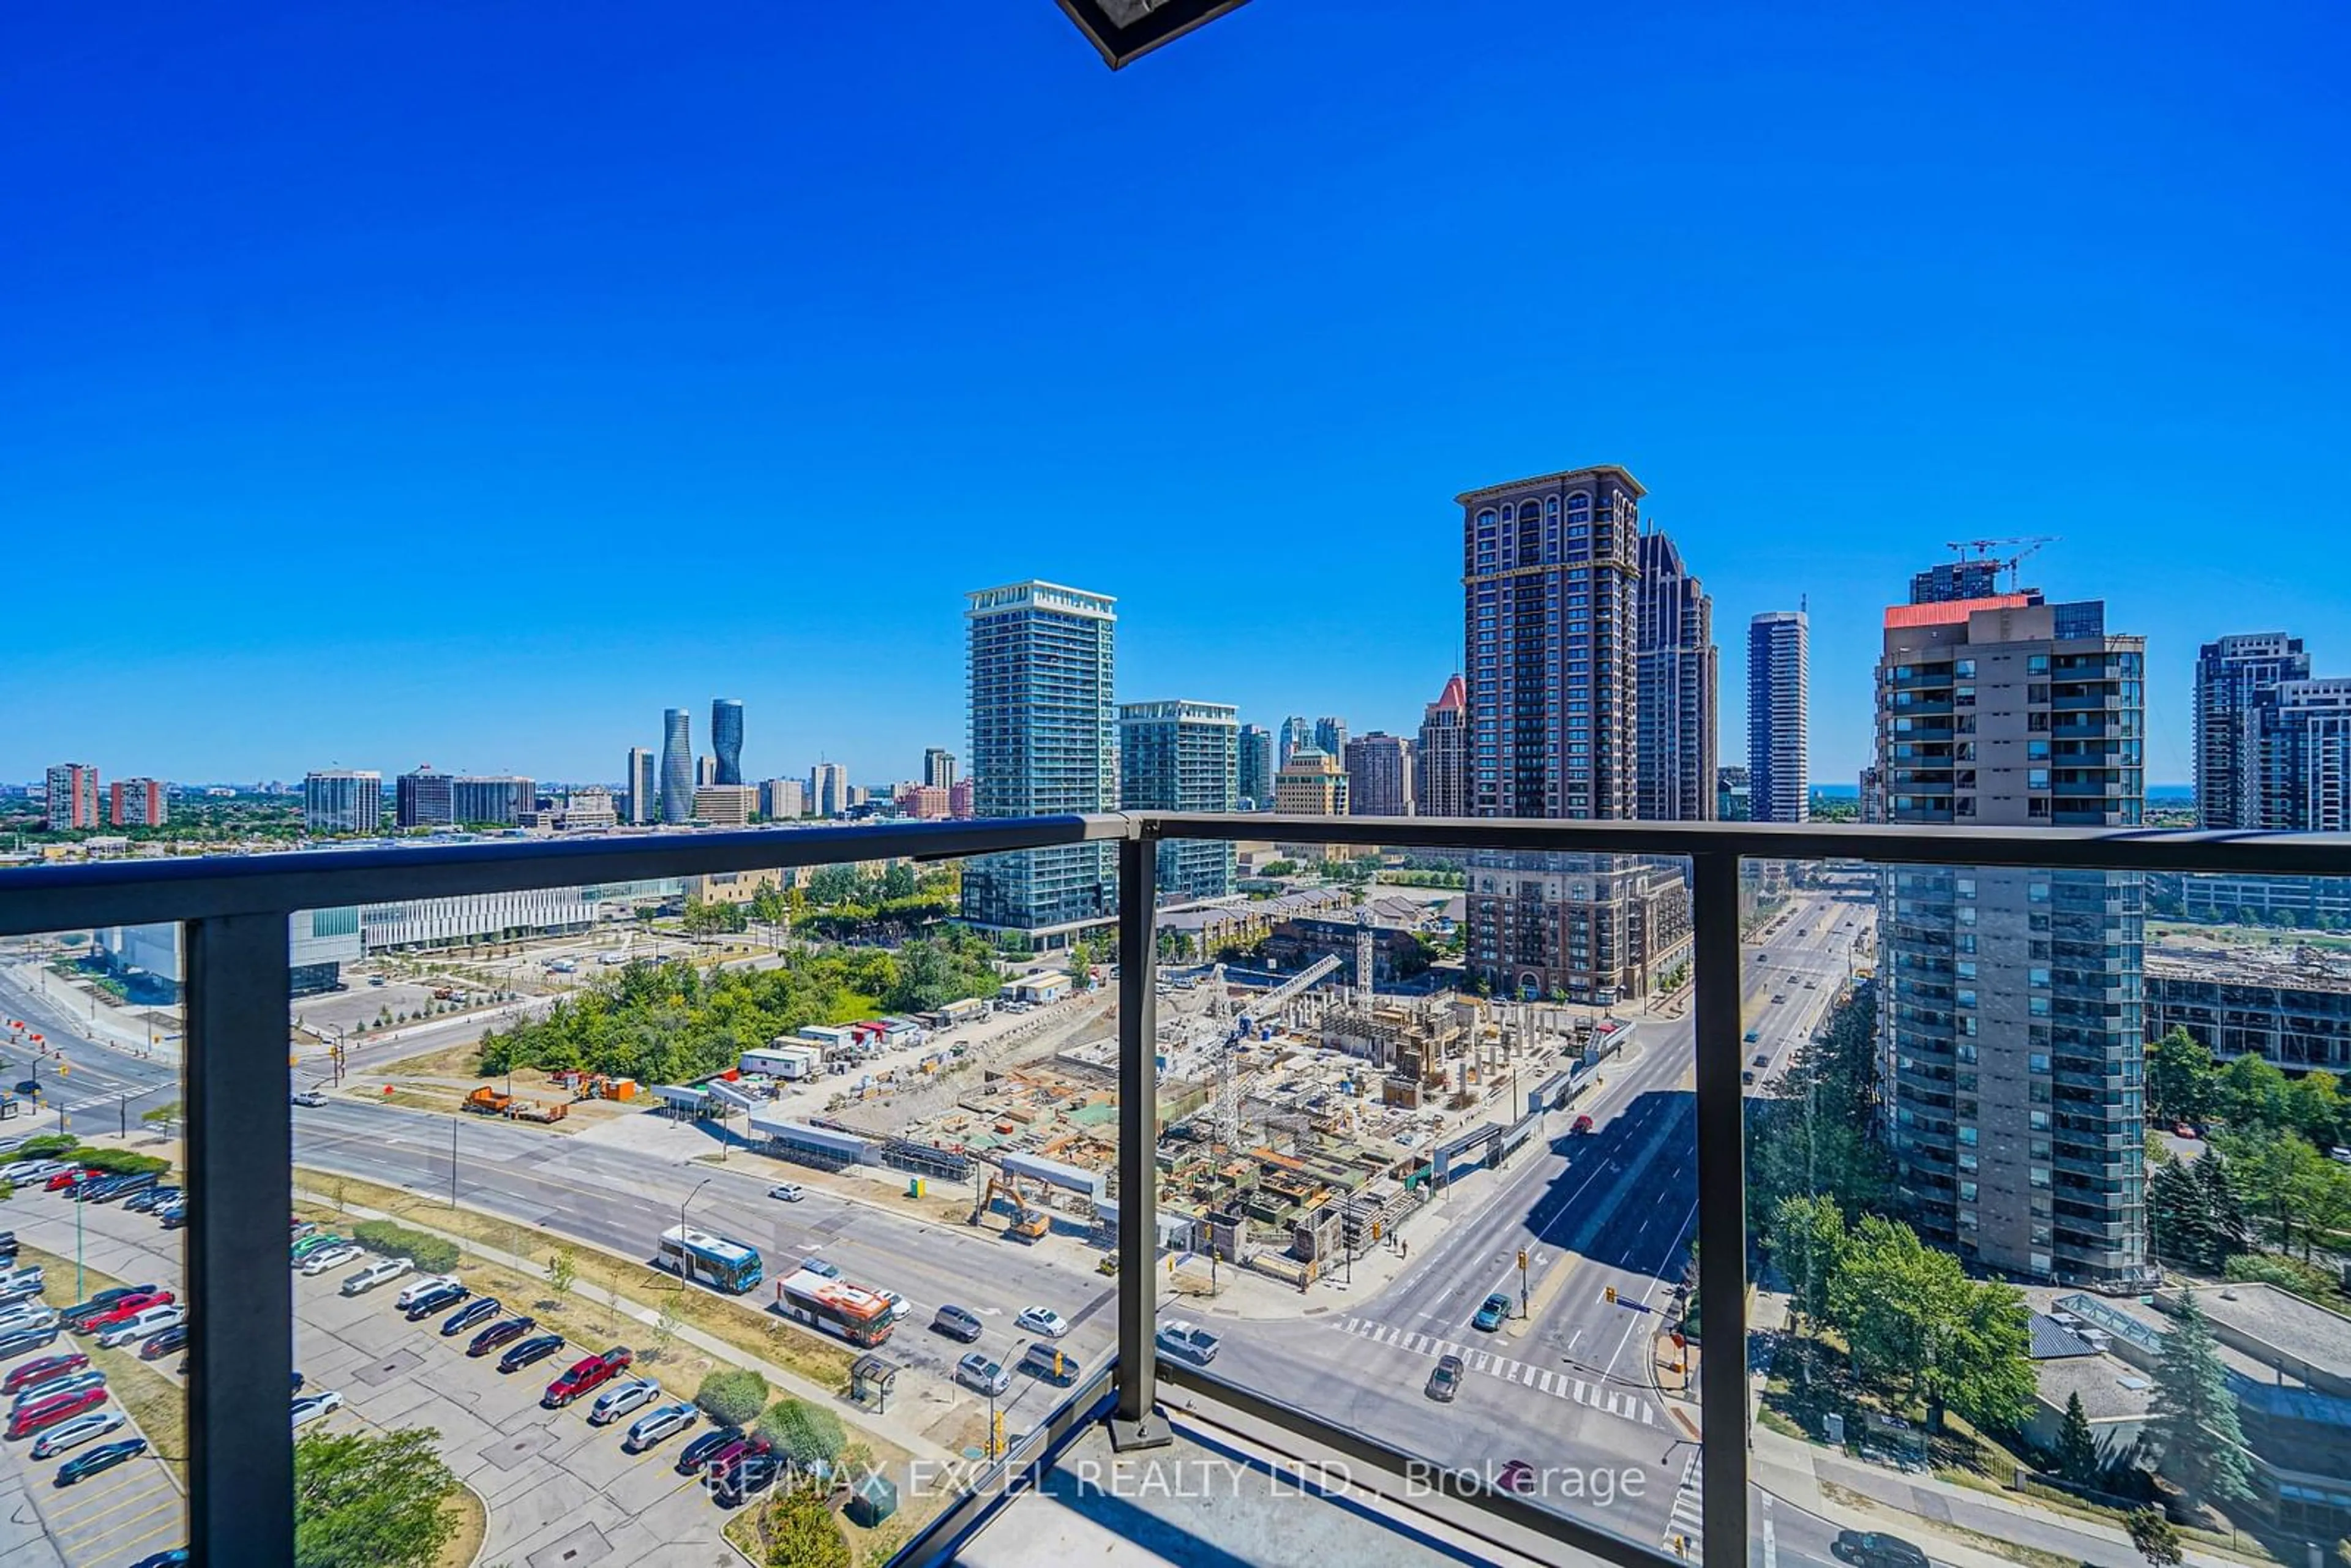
x: 1570, y: 1386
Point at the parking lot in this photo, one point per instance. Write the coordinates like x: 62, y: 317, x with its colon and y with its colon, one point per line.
x: 559, y: 1493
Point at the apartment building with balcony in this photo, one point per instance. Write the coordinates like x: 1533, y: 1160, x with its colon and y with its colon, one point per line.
x: 342, y: 800
x: 1379, y: 775
x: 139, y: 802
x: 1182, y: 756
x: 1680, y: 681
x: 72, y: 796
x: 1550, y: 583
x: 1778, y: 719
x: 1440, y: 762
x: 1043, y: 738
x: 2011, y: 1019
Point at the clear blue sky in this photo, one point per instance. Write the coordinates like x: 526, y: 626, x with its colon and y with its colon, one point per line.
x: 466, y: 383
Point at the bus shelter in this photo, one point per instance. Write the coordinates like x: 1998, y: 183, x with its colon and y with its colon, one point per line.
x: 871, y: 1378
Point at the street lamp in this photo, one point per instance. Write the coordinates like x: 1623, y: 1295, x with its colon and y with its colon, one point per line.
x: 681, y: 1202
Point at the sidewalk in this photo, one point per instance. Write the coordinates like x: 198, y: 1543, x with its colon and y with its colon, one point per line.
x: 93, y: 1014
x: 897, y: 1427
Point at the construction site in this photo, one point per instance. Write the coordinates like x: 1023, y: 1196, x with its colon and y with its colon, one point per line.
x: 1300, y: 1121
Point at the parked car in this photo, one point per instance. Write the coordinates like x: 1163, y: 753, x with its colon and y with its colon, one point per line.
x: 22, y: 1173
x: 70, y: 1176
x: 982, y: 1375
x: 1493, y: 1313
x: 173, y: 1214
x: 140, y: 1325
x: 728, y: 1452
x: 72, y: 1434
x: 124, y: 1308
x: 537, y: 1348
x: 655, y: 1425
x: 375, y: 1274
x: 330, y: 1258
x: 1873, y: 1549
x: 1445, y: 1379
x: 175, y: 1558
x: 423, y: 1286
x: 1042, y: 1320
x: 29, y: 1314
x: 957, y: 1323
x: 788, y: 1192
x: 310, y: 1407
x: 620, y: 1399
x: 298, y: 1229
x: 41, y: 1370
x: 27, y: 1341
x: 158, y: 1345
x: 585, y: 1375
x: 499, y: 1333
x: 698, y: 1453
x: 106, y: 1300
x: 100, y: 1459
x: 752, y: 1472
x: 301, y: 1248
x: 1190, y: 1341
x: 446, y: 1294
x: 47, y: 1412
x: 480, y: 1310
x: 72, y: 1382
x: 17, y: 1283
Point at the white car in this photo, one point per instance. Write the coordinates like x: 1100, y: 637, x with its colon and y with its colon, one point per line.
x: 31, y: 1170
x: 1042, y: 1320
x: 619, y: 1399
x: 141, y: 1324
x: 74, y: 1432
x: 310, y: 1407
x: 788, y: 1192
x: 423, y: 1286
x: 310, y: 1097
x: 327, y: 1257
x: 375, y: 1274
x: 653, y: 1427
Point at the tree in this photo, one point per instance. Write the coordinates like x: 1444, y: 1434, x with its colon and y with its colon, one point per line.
x: 2192, y: 1420
x: 2181, y: 1078
x: 562, y: 1271
x: 732, y: 1396
x: 898, y: 881
x: 363, y: 1502
x: 2179, y: 1216
x: 1081, y: 961
x: 801, y: 1533
x: 1919, y: 1328
x: 2223, y: 1213
x: 1807, y: 1241
x: 2077, y: 1446
x: 162, y: 1114
x: 809, y: 1434
x: 2154, y: 1536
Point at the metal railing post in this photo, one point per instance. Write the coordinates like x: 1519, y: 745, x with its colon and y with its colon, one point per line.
x: 1721, y: 1208
x: 240, y: 1154
x: 1135, y: 1421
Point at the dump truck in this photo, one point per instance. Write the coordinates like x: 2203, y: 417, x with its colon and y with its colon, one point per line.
x: 490, y: 1101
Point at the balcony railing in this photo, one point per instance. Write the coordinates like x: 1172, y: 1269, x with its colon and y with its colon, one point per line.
x: 234, y: 912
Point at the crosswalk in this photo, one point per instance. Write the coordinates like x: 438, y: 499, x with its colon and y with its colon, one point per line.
x: 1686, y: 1526
x: 1589, y: 1392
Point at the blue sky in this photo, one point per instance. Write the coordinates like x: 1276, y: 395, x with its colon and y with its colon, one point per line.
x: 468, y: 383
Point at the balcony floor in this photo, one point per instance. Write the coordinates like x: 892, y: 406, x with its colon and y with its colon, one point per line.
x: 1223, y: 1496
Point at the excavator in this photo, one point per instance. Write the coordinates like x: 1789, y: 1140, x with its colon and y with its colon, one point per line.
x: 1030, y: 1221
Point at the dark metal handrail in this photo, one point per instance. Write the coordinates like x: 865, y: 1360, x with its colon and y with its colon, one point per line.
x: 234, y: 909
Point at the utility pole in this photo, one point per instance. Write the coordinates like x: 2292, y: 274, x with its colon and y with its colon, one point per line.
x: 453, y: 1161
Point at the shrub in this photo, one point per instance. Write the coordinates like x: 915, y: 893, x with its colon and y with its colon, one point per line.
x: 432, y: 1254
x: 732, y: 1398
x: 121, y: 1162
x: 808, y: 1433
x: 800, y: 1532
x: 48, y: 1147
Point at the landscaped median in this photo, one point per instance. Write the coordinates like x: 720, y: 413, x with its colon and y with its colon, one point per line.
x: 595, y: 1298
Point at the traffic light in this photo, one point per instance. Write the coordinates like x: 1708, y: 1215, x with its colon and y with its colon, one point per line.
x: 1612, y: 1295
x: 1522, y: 1260
x: 995, y: 1437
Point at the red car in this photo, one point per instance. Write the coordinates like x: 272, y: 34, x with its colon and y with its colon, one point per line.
x: 585, y: 1375
x: 42, y: 1370
x: 67, y: 1178
x: 56, y: 1407
x: 123, y: 1310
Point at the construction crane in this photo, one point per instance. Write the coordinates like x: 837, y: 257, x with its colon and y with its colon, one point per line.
x: 2025, y: 547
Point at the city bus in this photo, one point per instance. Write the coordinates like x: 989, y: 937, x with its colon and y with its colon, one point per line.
x: 718, y: 1261
x: 860, y: 1316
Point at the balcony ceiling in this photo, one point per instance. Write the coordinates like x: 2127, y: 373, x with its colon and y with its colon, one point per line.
x: 1124, y: 30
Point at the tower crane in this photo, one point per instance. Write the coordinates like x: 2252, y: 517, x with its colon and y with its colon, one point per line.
x: 2024, y: 547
